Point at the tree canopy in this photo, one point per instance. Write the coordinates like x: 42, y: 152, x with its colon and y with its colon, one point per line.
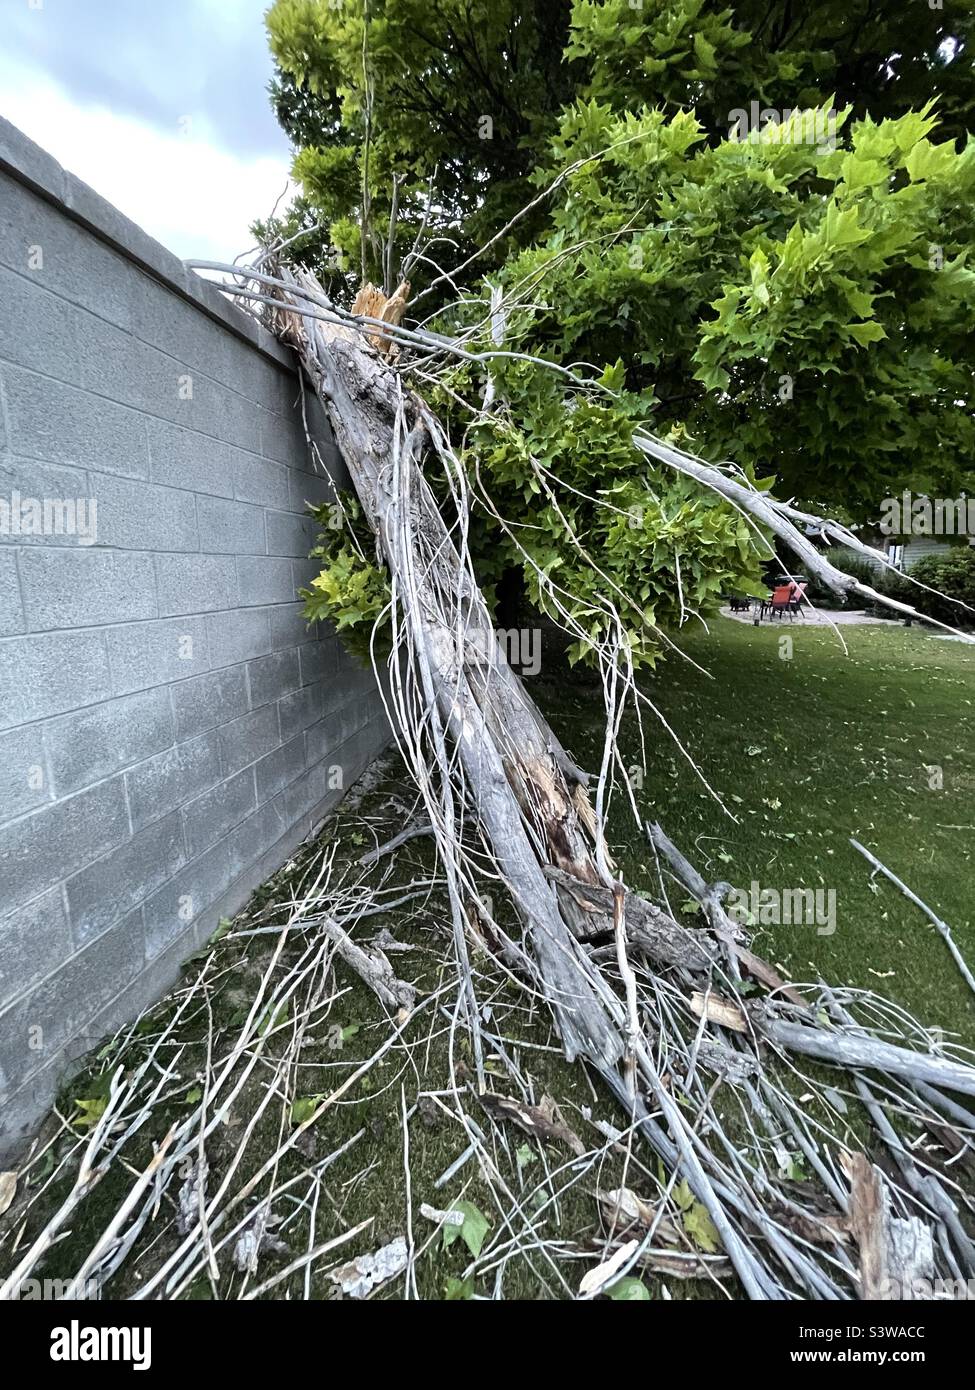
x: 791, y: 292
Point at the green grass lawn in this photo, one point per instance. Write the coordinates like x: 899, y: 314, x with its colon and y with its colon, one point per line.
x: 807, y: 750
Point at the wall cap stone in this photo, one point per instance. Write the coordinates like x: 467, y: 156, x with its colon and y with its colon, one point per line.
x: 37, y: 170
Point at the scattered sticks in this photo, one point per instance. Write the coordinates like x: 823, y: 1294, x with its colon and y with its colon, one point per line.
x: 940, y: 926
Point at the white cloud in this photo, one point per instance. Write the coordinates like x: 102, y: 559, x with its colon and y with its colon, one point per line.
x: 181, y: 187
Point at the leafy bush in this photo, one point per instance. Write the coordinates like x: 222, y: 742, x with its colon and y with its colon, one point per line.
x: 953, y: 575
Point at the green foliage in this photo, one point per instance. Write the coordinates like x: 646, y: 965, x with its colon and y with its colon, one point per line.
x: 878, y: 59
x: 628, y: 1290
x: 462, y: 93
x: 472, y: 1231
x: 953, y: 575
x: 797, y: 299
x: 602, y: 518
x: 436, y: 70
x: 806, y: 310
x: 351, y: 591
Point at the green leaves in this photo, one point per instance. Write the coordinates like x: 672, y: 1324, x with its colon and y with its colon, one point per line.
x: 628, y: 1291
x: 458, y: 1290
x: 866, y: 333
x: 927, y: 161
x: 473, y: 1231
x: 695, y: 1220
x: 90, y: 1111
x: 303, y: 1107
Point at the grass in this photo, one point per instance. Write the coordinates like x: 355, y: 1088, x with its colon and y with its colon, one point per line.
x: 805, y: 748
x: 369, y: 1182
x: 808, y: 746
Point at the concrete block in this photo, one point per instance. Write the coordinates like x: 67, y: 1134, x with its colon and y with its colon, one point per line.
x: 180, y: 457
x: 24, y: 779
x: 149, y: 654
x: 68, y: 426
x: 99, y: 740
x: 112, y: 886
x: 246, y: 739
x: 283, y: 439
x: 255, y: 836
x: 264, y: 580
x: 83, y: 587
x: 41, y: 848
x: 212, y: 815
x: 238, y: 635
x: 272, y: 676
x: 35, y: 166
x: 11, y: 609
x: 249, y: 373
x: 58, y: 1009
x: 32, y: 940
x: 230, y: 528
x: 141, y: 516
x: 214, y: 409
x: 261, y: 481
x: 195, y: 583
x: 277, y: 769
x: 47, y: 484
x: 309, y: 489
x: 176, y: 327
x: 319, y: 662
x: 94, y: 210
x: 291, y: 534
x: 305, y: 792
x: 38, y: 240
x: 289, y: 627
x: 121, y: 367
x: 47, y: 673
x: 303, y: 572
x: 172, y: 778
x: 51, y: 346
x: 326, y: 735
x: 208, y: 700
x: 299, y: 709
x: 346, y: 764
x: 171, y: 911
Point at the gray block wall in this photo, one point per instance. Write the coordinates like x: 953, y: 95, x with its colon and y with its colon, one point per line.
x: 170, y: 727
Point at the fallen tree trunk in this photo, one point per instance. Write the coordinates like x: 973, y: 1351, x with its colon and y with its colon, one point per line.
x: 482, y: 754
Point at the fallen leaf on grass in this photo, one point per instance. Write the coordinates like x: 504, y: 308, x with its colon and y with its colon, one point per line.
x: 718, y: 1010
x: 628, y: 1290
x: 361, y: 1276
x: 471, y: 1230
x: 543, y: 1120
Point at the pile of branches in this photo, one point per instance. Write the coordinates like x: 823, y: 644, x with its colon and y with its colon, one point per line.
x: 661, y: 1013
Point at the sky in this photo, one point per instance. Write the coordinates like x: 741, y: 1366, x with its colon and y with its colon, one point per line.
x: 160, y: 105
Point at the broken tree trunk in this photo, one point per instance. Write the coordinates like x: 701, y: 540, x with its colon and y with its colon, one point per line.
x: 515, y: 770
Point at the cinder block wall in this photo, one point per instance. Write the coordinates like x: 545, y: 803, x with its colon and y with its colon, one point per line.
x: 170, y: 728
